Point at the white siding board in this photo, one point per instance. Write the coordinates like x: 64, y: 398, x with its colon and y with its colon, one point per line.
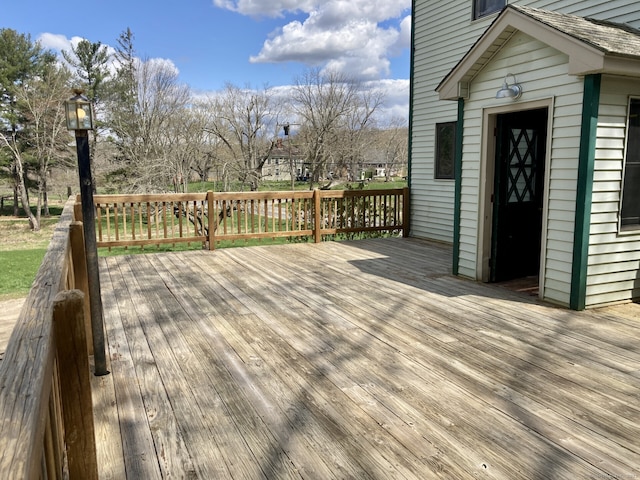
x: 611, y: 298
x: 554, y: 292
x: 630, y: 256
x: 559, y: 277
x: 614, y: 267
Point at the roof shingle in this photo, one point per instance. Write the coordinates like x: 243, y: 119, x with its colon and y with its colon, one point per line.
x: 609, y: 37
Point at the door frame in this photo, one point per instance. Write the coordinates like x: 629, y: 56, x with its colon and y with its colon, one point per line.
x: 487, y: 180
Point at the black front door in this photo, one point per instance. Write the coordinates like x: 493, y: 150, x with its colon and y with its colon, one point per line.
x: 519, y: 186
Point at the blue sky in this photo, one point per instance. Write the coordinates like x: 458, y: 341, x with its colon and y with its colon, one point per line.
x: 256, y: 42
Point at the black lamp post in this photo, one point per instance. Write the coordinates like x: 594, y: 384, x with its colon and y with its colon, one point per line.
x: 79, y: 116
x: 286, y: 128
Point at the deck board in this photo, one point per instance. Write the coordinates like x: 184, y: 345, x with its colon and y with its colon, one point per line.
x: 362, y: 359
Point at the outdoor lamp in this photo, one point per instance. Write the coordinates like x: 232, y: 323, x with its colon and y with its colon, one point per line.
x: 78, y: 112
x: 79, y: 117
x: 513, y: 91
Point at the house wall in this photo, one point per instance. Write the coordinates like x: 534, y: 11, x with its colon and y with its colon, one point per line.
x: 542, y: 72
x: 443, y: 33
x: 614, y: 257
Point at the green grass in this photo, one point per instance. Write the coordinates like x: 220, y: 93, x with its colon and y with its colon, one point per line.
x: 18, y: 269
x: 285, y: 185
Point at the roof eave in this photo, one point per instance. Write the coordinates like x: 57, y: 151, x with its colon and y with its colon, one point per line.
x: 583, y: 58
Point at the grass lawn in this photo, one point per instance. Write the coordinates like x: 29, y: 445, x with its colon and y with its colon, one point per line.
x: 21, y: 252
x: 18, y: 268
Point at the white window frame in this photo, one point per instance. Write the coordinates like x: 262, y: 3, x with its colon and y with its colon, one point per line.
x: 478, y: 15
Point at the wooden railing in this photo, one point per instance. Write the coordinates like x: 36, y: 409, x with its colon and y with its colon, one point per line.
x: 46, y: 418
x: 210, y: 218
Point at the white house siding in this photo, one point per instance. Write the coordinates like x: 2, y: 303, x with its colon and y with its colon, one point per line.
x: 542, y: 71
x: 443, y: 33
x: 614, y: 257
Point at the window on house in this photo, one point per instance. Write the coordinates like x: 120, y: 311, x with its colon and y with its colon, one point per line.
x: 630, y: 211
x: 445, y: 150
x: 482, y: 8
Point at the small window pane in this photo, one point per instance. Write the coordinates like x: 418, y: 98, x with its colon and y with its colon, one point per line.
x: 630, y: 215
x: 445, y: 150
x: 482, y: 8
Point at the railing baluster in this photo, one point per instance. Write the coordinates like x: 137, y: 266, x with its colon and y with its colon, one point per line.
x: 116, y: 221
x: 98, y: 221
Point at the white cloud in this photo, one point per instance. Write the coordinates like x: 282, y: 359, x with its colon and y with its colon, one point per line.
x: 405, y: 32
x: 272, y: 8
x: 52, y: 41
x: 355, y: 37
x: 395, y: 92
x: 59, y: 43
x: 165, y: 64
x: 396, y: 98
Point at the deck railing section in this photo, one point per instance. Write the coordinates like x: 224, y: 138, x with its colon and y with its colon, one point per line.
x: 210, y: 218
x: 46, y: 418
x: 139, y: 220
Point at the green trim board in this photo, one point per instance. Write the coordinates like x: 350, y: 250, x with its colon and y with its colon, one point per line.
x: 411, y: 80
x: 457, y: 169
x: 586, y: 162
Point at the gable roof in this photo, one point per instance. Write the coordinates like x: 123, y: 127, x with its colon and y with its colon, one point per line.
x: 593, y: 46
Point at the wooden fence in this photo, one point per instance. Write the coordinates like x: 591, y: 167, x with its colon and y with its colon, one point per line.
x: 46, y: 418
x: 210, y: 218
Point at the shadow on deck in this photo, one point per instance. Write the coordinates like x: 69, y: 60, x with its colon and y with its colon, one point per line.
x: 358, y: 359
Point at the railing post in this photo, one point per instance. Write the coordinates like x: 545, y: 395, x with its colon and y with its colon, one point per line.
x: 76, y: 235
x: 77, y: 209
x: 211, y: 221
x: 317, y: 214
x: 406, y: 211
x: 75, y: 384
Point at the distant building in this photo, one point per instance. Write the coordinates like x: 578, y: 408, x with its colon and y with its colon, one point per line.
x: 285, y: 157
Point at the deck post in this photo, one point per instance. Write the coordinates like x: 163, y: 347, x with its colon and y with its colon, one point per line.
x: 81, y: 281
x: 211, y: 221
x: 317, y: 224
x: 77, y: 209
x: 75, y: 384
x: 406, y: 211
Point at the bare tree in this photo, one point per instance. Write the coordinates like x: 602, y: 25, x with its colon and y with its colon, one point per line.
x: 393, y: 141
x: 357, y: 132
x: 328, y: 105
x: 245, y: 121
x: 140, y: 128
x: 187, y: 147
x: 42, y: 101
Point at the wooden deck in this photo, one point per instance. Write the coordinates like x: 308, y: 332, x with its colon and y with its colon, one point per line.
x: 359, y: 359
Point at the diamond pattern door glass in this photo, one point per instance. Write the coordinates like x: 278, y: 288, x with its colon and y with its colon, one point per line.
x: 522, y: 173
